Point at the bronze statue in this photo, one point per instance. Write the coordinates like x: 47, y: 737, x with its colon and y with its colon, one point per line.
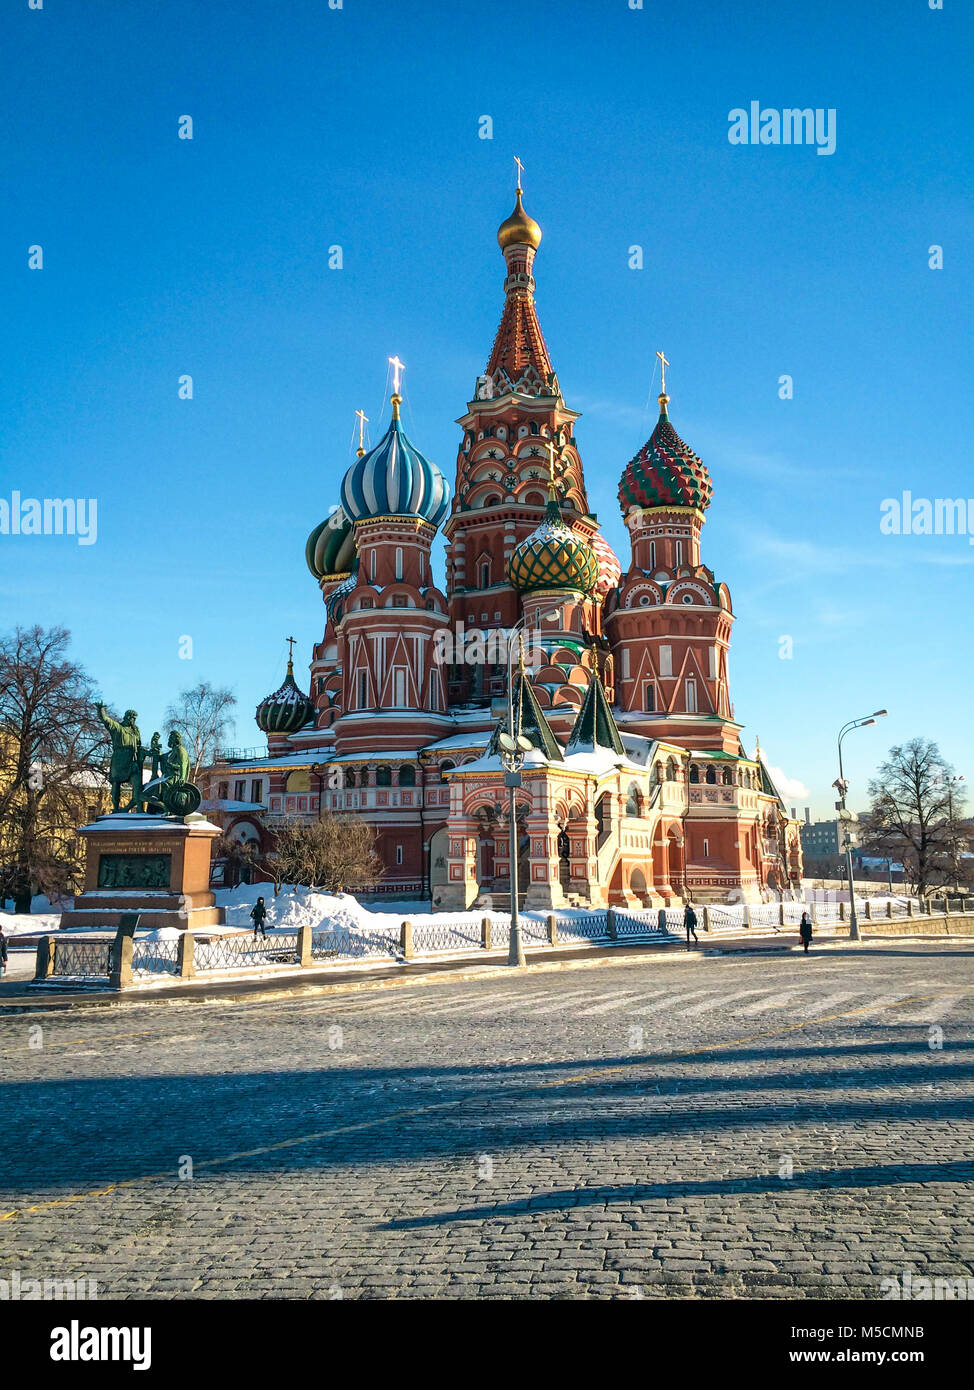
x: 125, y: 768
x: 169, y: 790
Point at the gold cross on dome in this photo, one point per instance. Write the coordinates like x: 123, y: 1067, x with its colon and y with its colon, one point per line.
x: 520, y: 171
x: 290, y: 647
x: 397, y: 369
x: 550, y: 445
x: 363, y: 420
x: 663, y: 364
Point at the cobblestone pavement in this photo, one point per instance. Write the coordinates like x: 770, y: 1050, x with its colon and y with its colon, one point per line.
x: 722, y: 1126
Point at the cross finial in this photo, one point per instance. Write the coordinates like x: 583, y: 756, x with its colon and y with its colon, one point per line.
x: 663, y: 364
x: 397, y: 368
x: 552, y: 491
x: 363, y: 420
x: 520, y: 171
x: 290, y: 651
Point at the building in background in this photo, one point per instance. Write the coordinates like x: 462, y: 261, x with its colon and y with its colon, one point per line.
x: 637, y: 789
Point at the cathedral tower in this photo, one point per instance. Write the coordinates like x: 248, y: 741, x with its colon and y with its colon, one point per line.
x: 393, y: 691
x: 502, y: 463
x: 670, y: 629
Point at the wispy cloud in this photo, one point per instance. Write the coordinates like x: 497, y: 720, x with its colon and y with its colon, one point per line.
x: 790, y: 788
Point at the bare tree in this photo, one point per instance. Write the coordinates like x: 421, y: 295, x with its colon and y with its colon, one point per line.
x: 239, y: 856
x: 52, y: 764
x: 203, y: 715
x: 914, y: 812
x: 336, y: 853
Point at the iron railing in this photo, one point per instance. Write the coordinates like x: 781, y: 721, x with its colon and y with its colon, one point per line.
x: 154, y: 957
x: 331, y: 943
x: 82, y: 959
x: 463, y: 934
x: 239, y: 952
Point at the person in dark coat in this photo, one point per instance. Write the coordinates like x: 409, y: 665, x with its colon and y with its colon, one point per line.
x: 3, y: 953
x: 258, y: 913
x: 805, y: 931
x: 690, y: 922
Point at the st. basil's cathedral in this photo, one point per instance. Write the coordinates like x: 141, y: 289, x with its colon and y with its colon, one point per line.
x: 637, y: 789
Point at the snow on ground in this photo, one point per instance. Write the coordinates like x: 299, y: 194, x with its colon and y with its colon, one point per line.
x: 292, y: 908
x: 29, y: 923
x: 296, y: 906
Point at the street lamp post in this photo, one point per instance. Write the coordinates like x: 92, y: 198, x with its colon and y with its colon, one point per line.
x: 513, y: 748
x: 842, y: 786
x: 952, y: 782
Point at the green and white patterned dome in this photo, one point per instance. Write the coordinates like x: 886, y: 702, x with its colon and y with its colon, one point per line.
x: 553, y: 557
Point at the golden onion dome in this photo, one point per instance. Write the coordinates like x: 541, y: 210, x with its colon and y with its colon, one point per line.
x: 519, y: 229
x: 553, y: 556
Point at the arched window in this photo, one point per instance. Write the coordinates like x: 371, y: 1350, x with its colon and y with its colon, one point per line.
x: 534, y: 499
x: 490, y: 500
x: 670, y: 770
x: 445, y: 768
x: 711, y: 776
x: 727, y: 778
x: 485, y: 574
x: 634, y: 802
x: 399, y: 562
x: 694, y: 773
x: 407, y: 775
x: 383, y: 777
x: 533, y: 427
x: 349, y: 778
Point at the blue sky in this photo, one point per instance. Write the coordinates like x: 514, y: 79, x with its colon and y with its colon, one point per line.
x: 359, y: 127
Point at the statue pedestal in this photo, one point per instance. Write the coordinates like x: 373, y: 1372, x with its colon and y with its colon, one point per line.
x: 158, y: 866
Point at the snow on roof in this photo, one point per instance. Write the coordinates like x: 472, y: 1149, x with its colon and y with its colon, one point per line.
x: 232, y: 806
x: 304, y: 758
x: 384, y: 756
x: 137, y: 821
x: 476, y: 739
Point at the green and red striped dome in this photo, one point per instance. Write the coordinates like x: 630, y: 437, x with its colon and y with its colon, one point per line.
x: 665, y: 473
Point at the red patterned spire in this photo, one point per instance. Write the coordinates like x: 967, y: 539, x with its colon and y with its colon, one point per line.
x: 519, y: 359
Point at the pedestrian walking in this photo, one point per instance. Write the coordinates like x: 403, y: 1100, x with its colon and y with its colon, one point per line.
x: 805, y: 931
x: 258, y: 913
x: 690, y: 922
x: 3, y: 953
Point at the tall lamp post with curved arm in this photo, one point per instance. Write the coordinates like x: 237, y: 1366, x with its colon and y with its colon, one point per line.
x: 842, y: 787
x: 513, y: 748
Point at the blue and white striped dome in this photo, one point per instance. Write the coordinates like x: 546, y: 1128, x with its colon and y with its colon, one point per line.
x: 395, y: 479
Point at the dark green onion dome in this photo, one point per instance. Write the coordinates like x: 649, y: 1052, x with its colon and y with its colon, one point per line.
x: 331, y: 546
x: 287, y: 710
x: 666, y: 472
x: 553, y: 556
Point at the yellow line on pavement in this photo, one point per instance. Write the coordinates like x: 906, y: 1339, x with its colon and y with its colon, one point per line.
x: 573, y: 1080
